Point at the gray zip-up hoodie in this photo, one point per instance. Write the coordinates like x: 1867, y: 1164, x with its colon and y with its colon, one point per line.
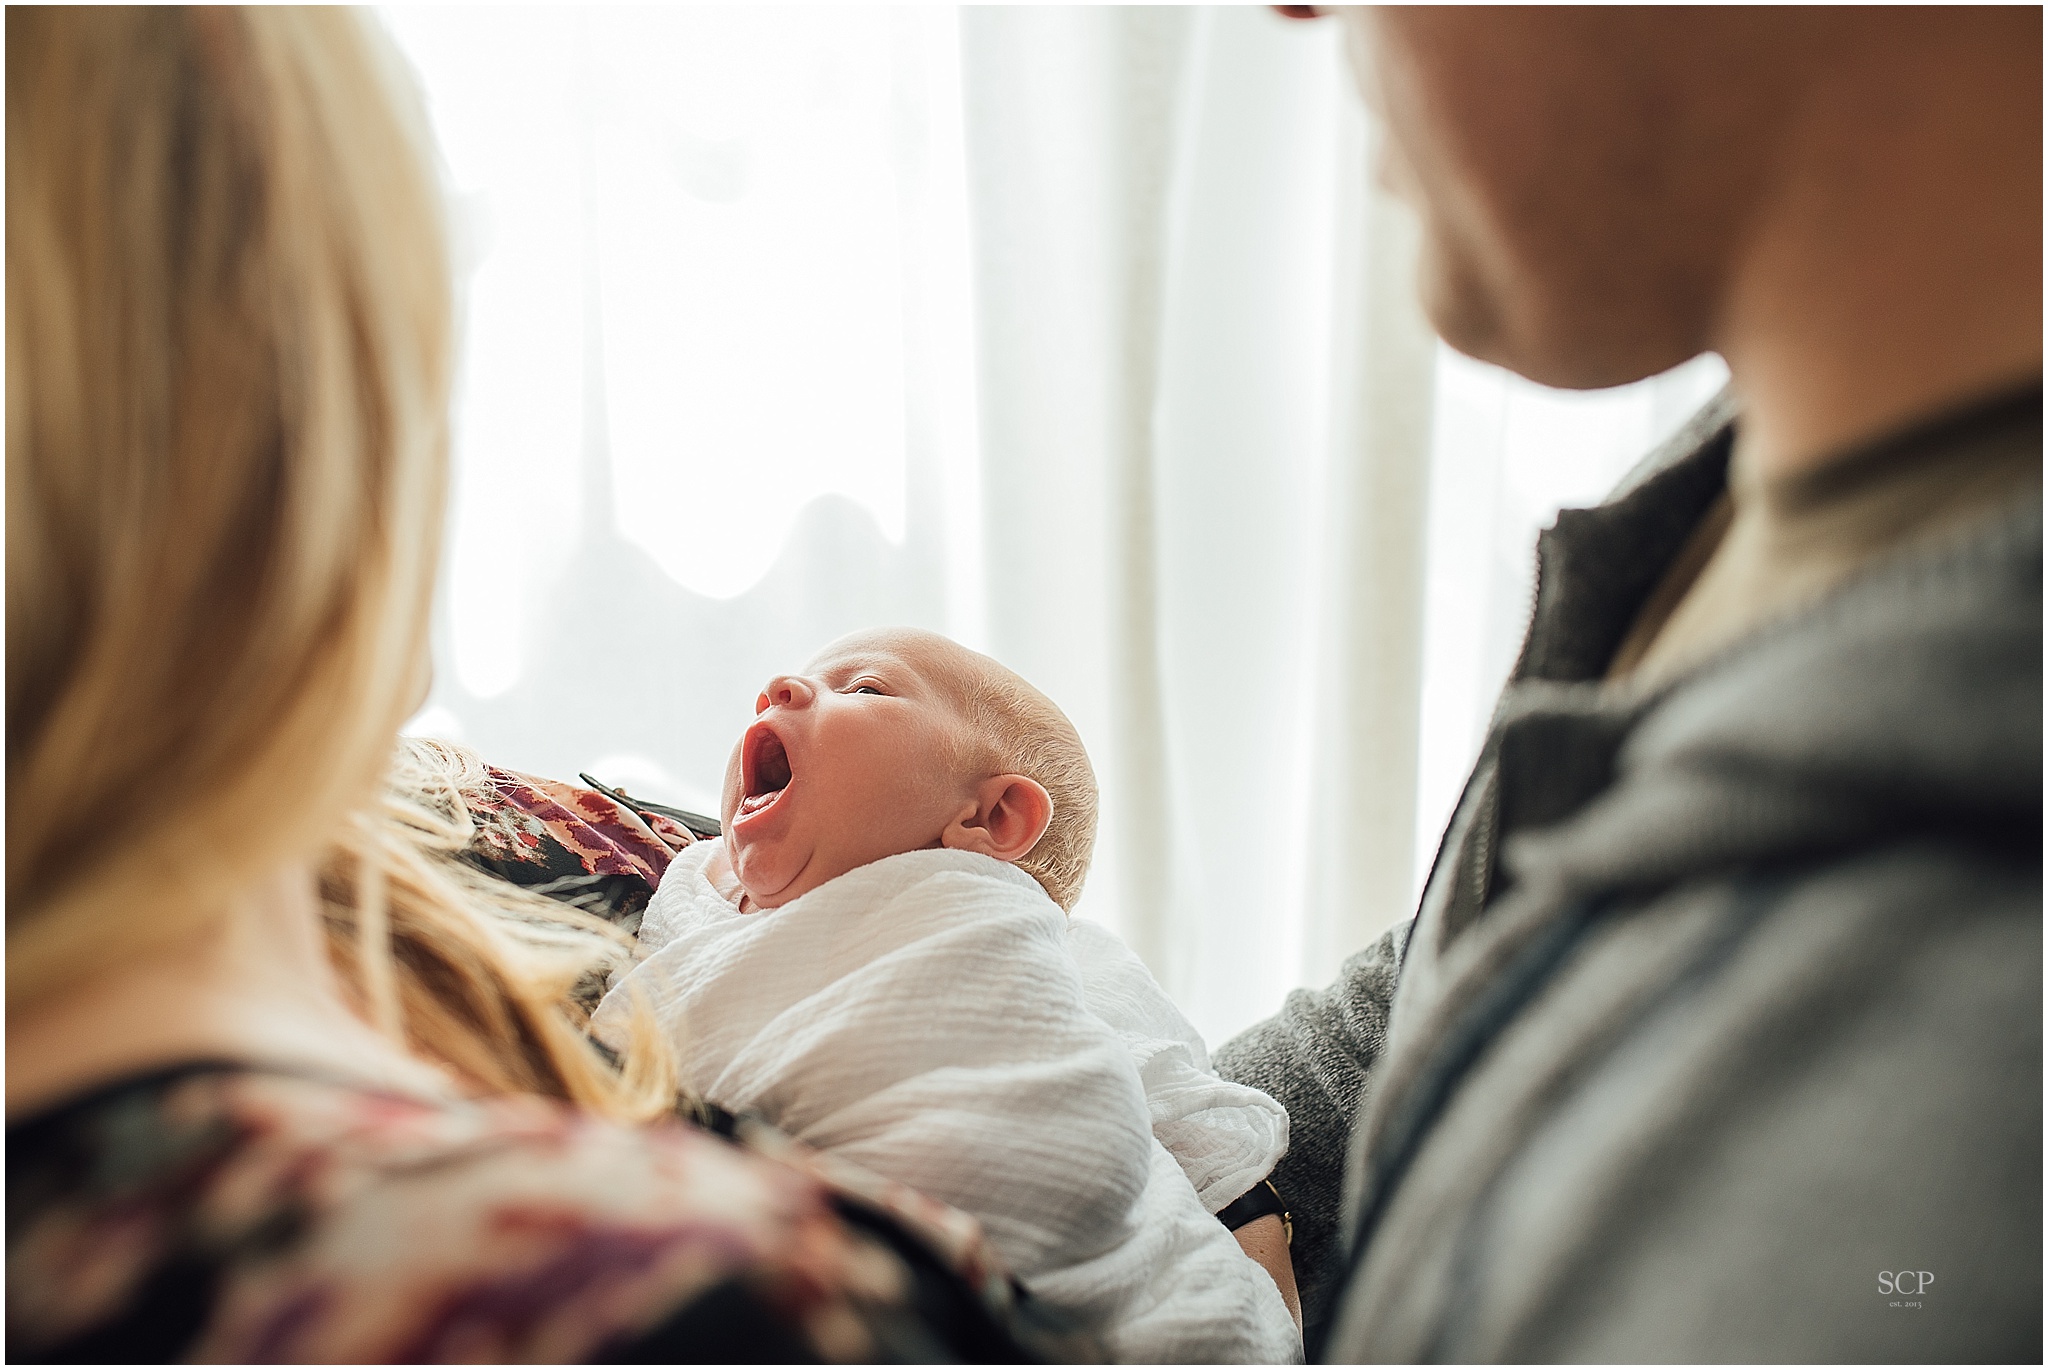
x: 1717, y: 1035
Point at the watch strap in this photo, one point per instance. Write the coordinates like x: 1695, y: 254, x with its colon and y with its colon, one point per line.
x: 1255, y: 1203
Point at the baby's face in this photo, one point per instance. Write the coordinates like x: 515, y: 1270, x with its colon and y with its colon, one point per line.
x: 866, y: 754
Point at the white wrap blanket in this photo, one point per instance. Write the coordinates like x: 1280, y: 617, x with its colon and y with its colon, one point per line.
x: 937, y: 1019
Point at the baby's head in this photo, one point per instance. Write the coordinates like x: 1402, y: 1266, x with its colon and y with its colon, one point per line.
x: 898, y: 740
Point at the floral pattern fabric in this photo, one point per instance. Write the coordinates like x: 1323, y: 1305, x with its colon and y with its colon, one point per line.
x: 225, y: 1213
x: 566, y: 830
x: 599, y: 852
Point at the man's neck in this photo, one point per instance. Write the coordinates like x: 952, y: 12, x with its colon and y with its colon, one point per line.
x: 1896, y: 273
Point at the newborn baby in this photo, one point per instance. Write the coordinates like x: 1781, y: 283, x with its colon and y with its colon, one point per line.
x: 877, y: 958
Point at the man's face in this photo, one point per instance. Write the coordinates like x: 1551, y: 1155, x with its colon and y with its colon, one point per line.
x: 861, y: 756
x: 1583, y: 176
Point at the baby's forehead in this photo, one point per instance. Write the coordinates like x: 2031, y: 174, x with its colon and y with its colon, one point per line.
x: 948, y: 669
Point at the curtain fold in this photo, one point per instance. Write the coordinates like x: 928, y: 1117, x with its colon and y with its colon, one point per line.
x: 1074, y: 121
x: 1369, y: 702
x: 1197, y: 284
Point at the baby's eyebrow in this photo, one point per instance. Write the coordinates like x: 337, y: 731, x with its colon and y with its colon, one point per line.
x: 845, y: 668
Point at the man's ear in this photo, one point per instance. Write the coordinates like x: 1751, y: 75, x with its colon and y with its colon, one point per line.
x: 1010, y: 814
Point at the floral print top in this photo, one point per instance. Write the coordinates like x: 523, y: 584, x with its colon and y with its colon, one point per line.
x: 216, y: 1212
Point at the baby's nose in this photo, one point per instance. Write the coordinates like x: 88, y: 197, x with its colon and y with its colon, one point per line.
x: 788, y: 691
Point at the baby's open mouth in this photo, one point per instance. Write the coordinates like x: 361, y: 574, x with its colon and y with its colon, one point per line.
x: 765, y: 772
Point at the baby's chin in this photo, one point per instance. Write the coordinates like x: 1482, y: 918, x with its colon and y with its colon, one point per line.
x: 765, y: 874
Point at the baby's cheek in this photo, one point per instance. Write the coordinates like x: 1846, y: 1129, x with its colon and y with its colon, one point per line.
x: 729, y: 795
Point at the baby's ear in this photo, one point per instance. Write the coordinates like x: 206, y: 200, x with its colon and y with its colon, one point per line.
x: 1010, y: 814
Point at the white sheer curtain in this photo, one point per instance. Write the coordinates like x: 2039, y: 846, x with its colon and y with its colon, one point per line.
x: 1078, y: 334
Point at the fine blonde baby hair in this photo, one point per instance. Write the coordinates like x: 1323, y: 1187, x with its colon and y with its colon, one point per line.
x: 1030, y: 736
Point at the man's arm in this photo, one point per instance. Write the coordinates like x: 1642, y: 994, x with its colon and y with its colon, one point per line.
x: 1313, y: 1056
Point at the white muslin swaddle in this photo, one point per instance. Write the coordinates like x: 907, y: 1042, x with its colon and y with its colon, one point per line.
x: 937, y: 1019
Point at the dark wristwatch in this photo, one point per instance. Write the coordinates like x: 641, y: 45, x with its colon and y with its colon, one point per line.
x: 1255, y: 1203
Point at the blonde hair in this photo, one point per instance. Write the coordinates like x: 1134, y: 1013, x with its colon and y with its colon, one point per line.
x: 468, y: 968
x: 228, y: 356
x: 1029, y: 736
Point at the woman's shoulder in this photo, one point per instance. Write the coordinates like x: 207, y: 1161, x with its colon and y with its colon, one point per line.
x: 233, y: 1214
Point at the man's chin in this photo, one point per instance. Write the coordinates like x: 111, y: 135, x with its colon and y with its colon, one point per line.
x: 1458, y: 304
x: 1551, y: 344
x: 1471, y: 312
